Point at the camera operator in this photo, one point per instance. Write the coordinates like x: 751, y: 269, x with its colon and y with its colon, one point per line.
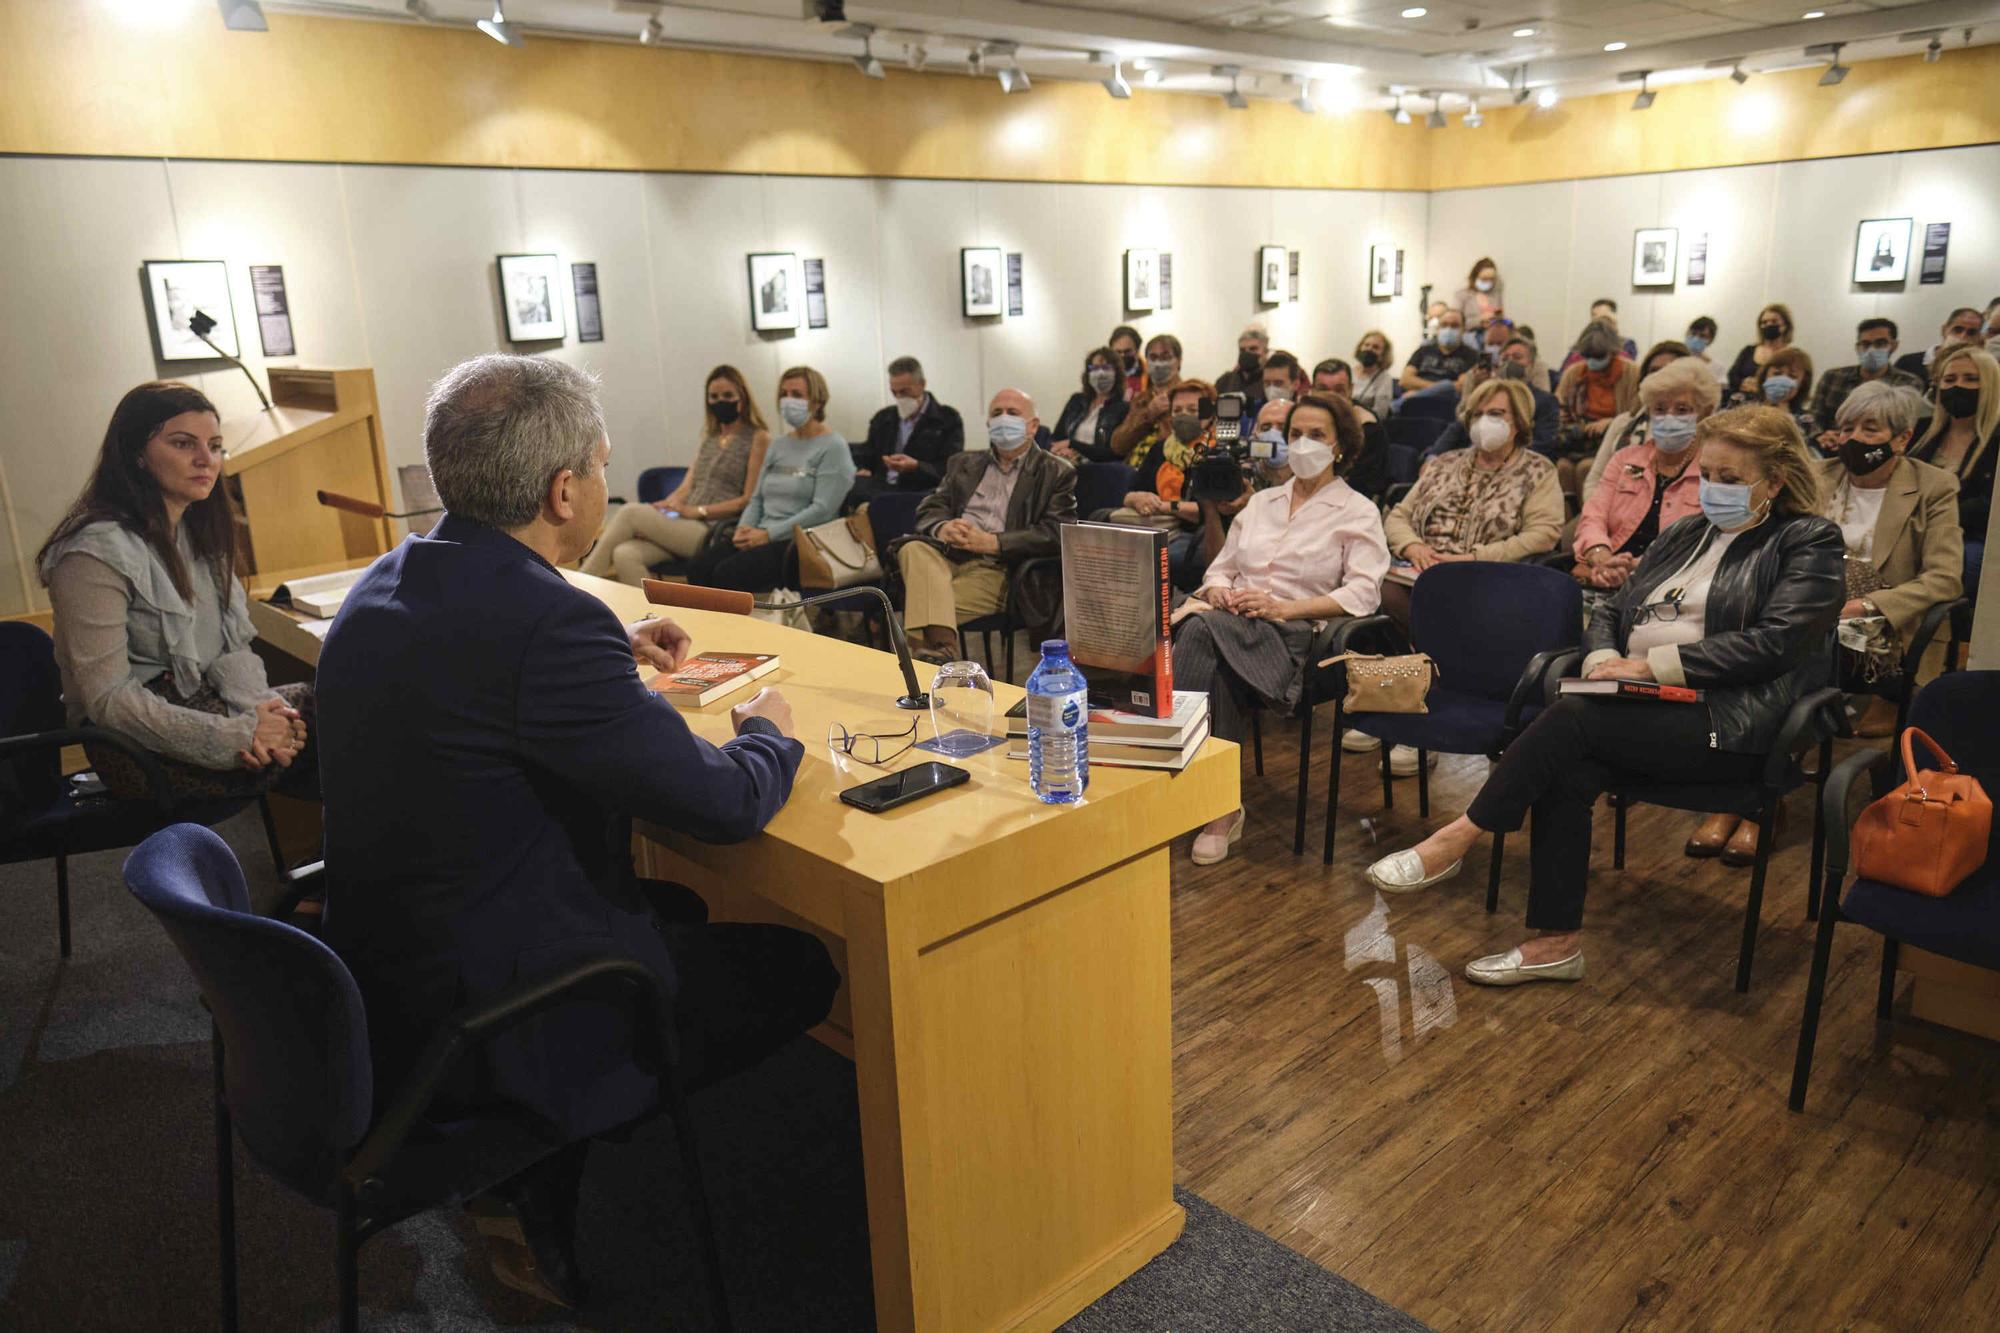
x: 1222, y: 480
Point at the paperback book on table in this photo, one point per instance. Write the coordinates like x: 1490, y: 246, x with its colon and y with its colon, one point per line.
x: 1133, y: 754
x: 1117, y: 613
x: 710, y: 676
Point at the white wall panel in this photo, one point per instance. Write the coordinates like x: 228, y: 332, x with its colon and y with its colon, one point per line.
x: 1525, y: 231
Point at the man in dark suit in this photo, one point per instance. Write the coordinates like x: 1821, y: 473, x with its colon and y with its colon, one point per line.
x: 485, y: 740
x: 909, y: 441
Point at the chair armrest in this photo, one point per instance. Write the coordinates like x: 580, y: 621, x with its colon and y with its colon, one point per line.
x: 1880, y: 766
x: 1020, y: 573
x: 1394, y: 495
x: 1927, y: 628
x: 1801, y: 730
x: 161, y: 790
x: 612, y: 978
x: 1534, y: 680
x: 1337, y: 637
x: 1564, y: 664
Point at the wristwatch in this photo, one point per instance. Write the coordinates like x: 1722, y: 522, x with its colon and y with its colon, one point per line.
x: 701, y: 511
x: 1870, y: 608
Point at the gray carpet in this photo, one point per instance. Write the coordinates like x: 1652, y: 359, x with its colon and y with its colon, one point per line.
x: 107, y: 1202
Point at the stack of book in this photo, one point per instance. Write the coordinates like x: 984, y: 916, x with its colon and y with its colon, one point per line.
x: 1131, y: 740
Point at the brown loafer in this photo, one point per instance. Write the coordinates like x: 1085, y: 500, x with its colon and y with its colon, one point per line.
x: 1742, y: 848
x: 1712, y: 836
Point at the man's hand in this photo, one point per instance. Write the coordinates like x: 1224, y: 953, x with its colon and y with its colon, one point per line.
x: 767, y: 704
x: 899, y: 462
x: 1622, y: 668
x: 658, y: 642
x: 977, y: 540
x: 746, y: 538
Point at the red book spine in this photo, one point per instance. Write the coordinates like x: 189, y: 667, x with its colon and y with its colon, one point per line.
x: 1163, y: 661
x: 1678, y: 694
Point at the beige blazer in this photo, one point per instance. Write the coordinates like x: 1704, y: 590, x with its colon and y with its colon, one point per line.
x: 1919, y: 548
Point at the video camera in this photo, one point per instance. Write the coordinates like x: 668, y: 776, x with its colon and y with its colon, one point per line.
x: 1219, y: 473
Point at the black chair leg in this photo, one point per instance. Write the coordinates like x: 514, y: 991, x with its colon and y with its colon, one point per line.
x: 1493, y: 874
x: 1332, y: 787
x: 1388, y: 779
x: 1305, y: 768
x: 1753, y: 910
x: 1617, y: 833
x: 271, y: 835
x: 62, y: 901
x: 1423, y: 783
x: 704, y: 1225
x: 1011, y: 636
x: 225, y: 1188
x: 1819, y: 828
x: 1257, y: 740
x: 347, y: 1266
x: 1828, y: 916
x: 1885, y: 995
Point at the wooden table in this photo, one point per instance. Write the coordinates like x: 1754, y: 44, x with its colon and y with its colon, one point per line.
x: 1006, y: 994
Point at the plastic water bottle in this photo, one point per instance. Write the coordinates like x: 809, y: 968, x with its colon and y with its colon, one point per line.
x: 1058, y: 727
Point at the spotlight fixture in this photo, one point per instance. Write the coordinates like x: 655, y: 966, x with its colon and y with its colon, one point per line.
x: 420, y: 10
x: 1473, y: 120
x: 1234, y: 98
x: 1524, y: 32
x: 1114, y: 81
x: 1814, y: 14
x: 1547, y: 98
x: 1435, y: 120
x: 1304, y: 101
x: 1737, y: 74
x: 1836, y: 71
x: 1614, y: 46
x: 1933, y: 51
x: 827, y: 11
x: 866, y: 62
x: 1397, y: 113
x: 975, y: 61
x: 499, y: 29
x: 1153, y: 77
x: 1646, y: 95
x: 242, y: 15
x: 653, y: 33
x: 1415, y: 12
x: 917, y: 55
x: 1014, y: 79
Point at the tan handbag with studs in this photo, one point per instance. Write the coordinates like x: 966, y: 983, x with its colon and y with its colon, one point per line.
x: 1387, y: 684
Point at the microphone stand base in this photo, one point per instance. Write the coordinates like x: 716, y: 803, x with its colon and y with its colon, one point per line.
x: 915, y: 703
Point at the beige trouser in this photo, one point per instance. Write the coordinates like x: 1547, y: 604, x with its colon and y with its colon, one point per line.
x: 639, y: 537
x: 942, y: 593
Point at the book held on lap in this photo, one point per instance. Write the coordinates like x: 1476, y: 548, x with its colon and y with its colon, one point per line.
x: 1628, y: 689
x: 707, y: 677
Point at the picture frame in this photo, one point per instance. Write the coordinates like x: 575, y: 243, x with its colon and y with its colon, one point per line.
x: 531, y: 297
x: 777, y: 291
x: 175, y: 290
x: 1655, y: 256
x: 1882, y: 250
x: 982, y: 284
x: 1142, y: 281
x: 1382, y: 272
x: 1272, y: 269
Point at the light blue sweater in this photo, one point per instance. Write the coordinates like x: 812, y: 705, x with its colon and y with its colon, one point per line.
x: 802, y: 484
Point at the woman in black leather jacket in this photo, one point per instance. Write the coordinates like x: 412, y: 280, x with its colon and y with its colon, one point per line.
x: 1083, y: 431
x: 1740, y: 602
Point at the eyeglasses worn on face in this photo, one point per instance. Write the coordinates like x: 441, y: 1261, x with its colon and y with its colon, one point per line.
x: 869, y: 747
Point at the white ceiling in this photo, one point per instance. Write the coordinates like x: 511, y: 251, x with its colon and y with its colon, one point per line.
x: 1357, y: 51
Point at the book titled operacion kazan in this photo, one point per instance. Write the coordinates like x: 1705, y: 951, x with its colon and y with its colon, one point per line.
x: 709, y: 676
x: 1117, y: 609
x: 1628, y: 689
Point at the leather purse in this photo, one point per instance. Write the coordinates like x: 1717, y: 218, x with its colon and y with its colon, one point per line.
x: 1929, y: 833
x: 839, y: 554
x: 1387, y: 684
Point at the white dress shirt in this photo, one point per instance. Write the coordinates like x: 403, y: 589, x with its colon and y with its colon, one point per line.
x: 1332, y: 546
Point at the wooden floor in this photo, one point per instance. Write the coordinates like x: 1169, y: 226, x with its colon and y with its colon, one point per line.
x: 1613, y: 1154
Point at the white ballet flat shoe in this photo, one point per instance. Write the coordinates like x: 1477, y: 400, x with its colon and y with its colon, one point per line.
x: 1507, y: 969
x: 1359, y: 742
x: 1210, y: 848
x: 1403, y: 872
x: 1403, y: 761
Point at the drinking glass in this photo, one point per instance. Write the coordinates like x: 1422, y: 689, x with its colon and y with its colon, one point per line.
x: 962, y: 708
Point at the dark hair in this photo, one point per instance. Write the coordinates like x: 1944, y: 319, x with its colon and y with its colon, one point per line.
x: 1333, y: 365
x: 1675, y: 346
x: 121, y: 491
x: 906, y: 365
x: 1963, y: 310
x: 1524, y: 331
x: 1124, y: 331
x: 1877, y: 322
x: 734, y: 377
x: 1346, y: 430
x: 1166, y: 340
x: 1605, y: 300
x: 1484, y: 262
x: 1797, y: 358
x: 1285, y: 361
x: 1704, y: 326
x: 1105, y: 354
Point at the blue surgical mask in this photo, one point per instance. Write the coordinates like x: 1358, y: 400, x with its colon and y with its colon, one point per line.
x: 1275, y: 438
x: 1006, y: 433
x: 1697, y: 344
x: 1597, y: 362
x: 1778, y: 387
x: 1483, y: 285
x: 1671, y: 435
x: 1448, y: 338
x: 795, y: 411
x: 1727, y: 504
x: 1874, y: 360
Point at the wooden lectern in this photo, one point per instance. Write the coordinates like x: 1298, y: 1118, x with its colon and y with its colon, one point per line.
x: 323, y: 432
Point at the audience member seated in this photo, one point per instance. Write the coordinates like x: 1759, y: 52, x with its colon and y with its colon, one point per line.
x: 1964, y: 328
x: 717, y: 487
x: 1300, y: 554
x: 1899, y: 521
x: 806, y: 472
x: 1124, y: 344
x: 1253, y: 345
x: 1484, y: 296
x: 1774, y: 334
x: 1513, y: 360
x: 910, y: 441
x: 1191, y: 552
x: 1369, y: 474
x: 1964, y: 439
x: 995, y: 508
x: 1604, y: 311
x: 1785, y: 382
x: 1738, y: 601
x: 487, y: 744
x: 152, y: 630
x: 1699, y: 340
x: 1162, y: 459
x: 1146, y: 420
x: 1375, y: 374
x: 1626, y: 426
x: 1083, y: 431
x: 1875, y: 348
x: 1283, y: 379
x: 1648, y: 486
x: 1441, y: 360
x: 1594, y: 389
x: 1991, y: 337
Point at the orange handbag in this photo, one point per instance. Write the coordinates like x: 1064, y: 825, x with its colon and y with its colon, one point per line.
x: 1928, y: 834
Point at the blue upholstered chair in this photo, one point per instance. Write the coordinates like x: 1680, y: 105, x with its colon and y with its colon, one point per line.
x: 1418, y: 433
x: 1961, y: 712
x: 293, y: 1075
x: 1495, y: 631
x: 1102, y: 486
x: 657, y: 483
x: 1438, y: 406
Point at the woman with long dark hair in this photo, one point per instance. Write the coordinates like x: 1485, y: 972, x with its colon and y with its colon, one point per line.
x: 152, y: 628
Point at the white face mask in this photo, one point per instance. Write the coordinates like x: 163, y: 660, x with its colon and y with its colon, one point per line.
x: 909, y: 407
x: 1491, y: 434
x: 1309, y: 457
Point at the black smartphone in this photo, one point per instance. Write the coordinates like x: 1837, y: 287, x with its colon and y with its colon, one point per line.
x: 902, y: 787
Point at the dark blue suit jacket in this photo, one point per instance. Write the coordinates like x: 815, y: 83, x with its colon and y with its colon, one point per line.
x: 483, y: 742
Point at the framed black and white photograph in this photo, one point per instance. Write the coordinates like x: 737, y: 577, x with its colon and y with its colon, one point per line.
x: 777, y: 291
x: 1655, y: 256
x: 982, y: 293
x: 176, y: 289
x: 1142, y: 280
x: 1381, y: 272
x: 531, y: 294
x: 1882, y: 250
x: 1270, y: 274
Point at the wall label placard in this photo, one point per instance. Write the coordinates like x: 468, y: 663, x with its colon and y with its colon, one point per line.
x: 589, y: 311
x: 1937, y: 240
x: 815, y: 271
x: 1698, y: 260
x: 1016, y: 298
x: 1166, y: 280
x: 274, y: 310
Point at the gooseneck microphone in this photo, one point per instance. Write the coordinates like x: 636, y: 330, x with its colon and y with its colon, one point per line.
x: 199, y: 326
x: 368, y: 508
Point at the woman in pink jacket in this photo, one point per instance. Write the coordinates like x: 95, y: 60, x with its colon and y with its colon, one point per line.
x: 1649, y: 484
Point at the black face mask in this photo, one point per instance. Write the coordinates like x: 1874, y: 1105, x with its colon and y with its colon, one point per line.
x: 1368, y: 357
x: 1248, y: 363
x: 1961, y: 400
x: 1771, y: 332
x: 1129, y: 360
x: 724, y: 411
x: 1861, y: 459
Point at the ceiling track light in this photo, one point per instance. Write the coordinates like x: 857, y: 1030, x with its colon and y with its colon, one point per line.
x: 1836, y: 71
x: 420, y: 10
x: 1304, y: 101
x: 1646, y: 95
x: 1013, y: 79
x: 499, y: 29
x: 1737, y: 73
x: 1547, y: 98
x: 1933, y: 52
x: 916, y: 55
x: 1473, y: 120
x: 653, y: 33
x: 1435, y: 120
x: 1234, y: 98
x: 866, y: 62
x: 1397, y: 113
x: 1114, y: 82
x: 242, y: 15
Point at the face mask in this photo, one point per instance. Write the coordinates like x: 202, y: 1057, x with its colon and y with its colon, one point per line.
x: 1449, y: 338
x: 1697, y: 344
x: 1490, y: 434
x: 1483, y: 285
x: 1160, y: 371
x: 724, y: 411
x: 1597, y: 362
x: 1129, y: 360
x: 1368, y: 357
x: 1187, y: 429
x: 1278, y: 393
x: 1961, y: 400
x: 1727, y: 505
x: 1274, y: 437
x: 795, y: 411
x: 1309, y: 457
x: 1671, y: 435
x: 1862, y: 459
x: 1874, y: 360
x: 1006, y: 433
x: 1248, y: 362
x: 1771, y: 332
x: 1513, y: 370
x: 1778, y: 387
x: 1102, y: 378
x: 909, y: 407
